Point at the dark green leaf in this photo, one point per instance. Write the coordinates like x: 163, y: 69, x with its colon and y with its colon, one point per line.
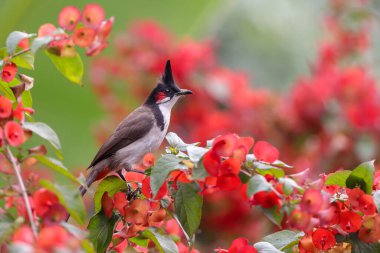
x: 257, y: 184
x: 101, y: 230
x: 45, y: 132
x: 188, y: 207
x: 163, y: 242
x: 70, y: 198
x: 282, y: 239
x: 110, y: 184
x: 70, y: 67
x: 357, y: 245
x: 40, y: 42
x: 161, y: 170
x: 14, y: 38
x: 57, y: 166
x: 338, y: 178
x: 362, y: 176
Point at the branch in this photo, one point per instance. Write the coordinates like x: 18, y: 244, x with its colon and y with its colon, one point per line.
x: 19, y: 53
x: 16, y: 167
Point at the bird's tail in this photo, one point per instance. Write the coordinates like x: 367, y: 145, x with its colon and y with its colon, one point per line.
x: 89, y: 180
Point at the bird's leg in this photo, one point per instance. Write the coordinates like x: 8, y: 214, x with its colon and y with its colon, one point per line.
x: 119, y: 172
x: 128, y: 168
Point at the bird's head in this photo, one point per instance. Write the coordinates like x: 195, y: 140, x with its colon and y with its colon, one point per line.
x: 166, y: 90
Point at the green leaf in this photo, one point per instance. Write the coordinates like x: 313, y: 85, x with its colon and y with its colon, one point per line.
x: 101, y: 230
x: 40, y: 42
x: 70, y: 67
x: 188, y: 207
x: 277, y: 172
x: 139, y: 240
x: 45, y: 132
x: 70, y: 198
x: 199, y: 171
x: 338, y: 178
x: 87, y: 246
x: 266, y: 247
x: 163, y: 242
x: 283, y: 239
x: 289, y: 184
x: 362, y: 176
x: 7, y: 92
x: 273, y: 214
x: 14, y: 38
x: 256, y: 184
x: 26, y: 99
x: 110, y: 184
x: 24, y: 60
x: 161, y: 170
x: 57, y: 166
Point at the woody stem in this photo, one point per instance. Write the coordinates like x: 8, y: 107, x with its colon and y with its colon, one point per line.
x: 16, y: 167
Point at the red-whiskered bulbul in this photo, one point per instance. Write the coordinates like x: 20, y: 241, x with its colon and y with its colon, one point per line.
x: 141, y: 132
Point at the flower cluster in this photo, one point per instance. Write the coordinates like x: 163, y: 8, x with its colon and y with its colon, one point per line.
x: 11, y: 119
x: 89, y: 30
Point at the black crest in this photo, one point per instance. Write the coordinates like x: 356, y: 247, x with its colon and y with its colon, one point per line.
x: 167, y: 77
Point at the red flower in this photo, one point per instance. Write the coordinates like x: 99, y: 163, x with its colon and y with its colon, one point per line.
x: 211, y: 162
x: 43, y: 201
x: 228, y: 182
x: 24, y: 43
x: 104, y: 29
x: 230, y: 166
x: 367, y: 204
x: 147, y: 191
x: 120, y: 201
x: 265, y: 152
x: 19, y: 112
x: 23, y: 234
x: 299, y: 220
x: 69, y: 17
x: 241, y: 245
x: 225, y: 145
x: 5, y: 107
x: 266, y: 199
x: 370, y: 232
x: 83, y: 36
x: 137, y: 212
x: 148, y: 160
x: 52, y: 237
x: 107, y: 205
x: 9, y: 72
x: 323, y: 239
x: 350, y: 221
x: 353, y: 197
x: 46, y: 30
x: 93, y: 15
x: 312, y: 201
x: 14, y: 133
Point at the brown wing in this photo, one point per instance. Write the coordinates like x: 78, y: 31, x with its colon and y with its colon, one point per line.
x: 135, y: 126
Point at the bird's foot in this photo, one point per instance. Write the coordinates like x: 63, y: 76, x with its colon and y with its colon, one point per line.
x: 119, y: 172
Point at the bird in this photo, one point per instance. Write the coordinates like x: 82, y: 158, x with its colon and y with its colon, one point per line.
x: 141, y: 132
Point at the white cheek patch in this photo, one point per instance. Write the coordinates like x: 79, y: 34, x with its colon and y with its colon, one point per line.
x: 163, y: 100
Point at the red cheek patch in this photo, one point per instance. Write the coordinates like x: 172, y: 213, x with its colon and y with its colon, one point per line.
x: 160, y: 95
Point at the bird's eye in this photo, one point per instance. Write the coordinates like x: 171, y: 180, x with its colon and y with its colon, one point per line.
x: 167, y: 90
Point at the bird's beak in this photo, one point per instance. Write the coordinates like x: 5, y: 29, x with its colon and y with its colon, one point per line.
x: 184, y: 92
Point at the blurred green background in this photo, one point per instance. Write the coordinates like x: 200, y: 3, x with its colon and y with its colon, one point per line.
x: 272, y: 41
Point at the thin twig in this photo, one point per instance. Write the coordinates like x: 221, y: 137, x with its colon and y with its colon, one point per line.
x: 16, y: 167
x: 19, y: 53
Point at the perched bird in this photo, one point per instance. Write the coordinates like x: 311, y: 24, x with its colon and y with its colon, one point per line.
x: 141, y: 132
